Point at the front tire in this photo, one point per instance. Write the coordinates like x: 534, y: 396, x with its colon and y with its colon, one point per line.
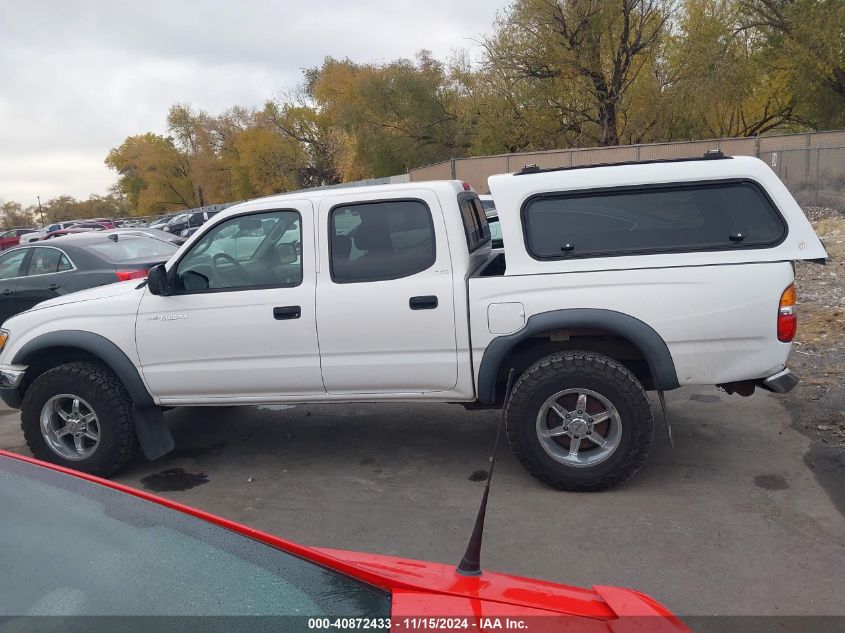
x: 80, y: 416
x: 579, y: 421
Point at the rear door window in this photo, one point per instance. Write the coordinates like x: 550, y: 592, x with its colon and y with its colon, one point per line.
x: 692, y: 217
x: 44, y: 261
x: 381, y: 240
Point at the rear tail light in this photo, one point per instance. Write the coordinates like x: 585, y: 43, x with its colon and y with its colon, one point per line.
x: 126, y: 275
x: 787, y: 319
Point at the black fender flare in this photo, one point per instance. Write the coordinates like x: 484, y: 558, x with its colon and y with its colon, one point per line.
x: 642, y: 335
x: 150, y: 426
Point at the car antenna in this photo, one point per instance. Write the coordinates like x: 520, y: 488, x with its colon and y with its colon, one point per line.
x: 470, y: 564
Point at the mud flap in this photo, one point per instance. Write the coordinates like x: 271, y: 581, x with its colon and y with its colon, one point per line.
x: 666, y: 419
x: 153, y: 432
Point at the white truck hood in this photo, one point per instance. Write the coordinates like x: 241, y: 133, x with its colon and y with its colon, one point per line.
x: 100, y: 292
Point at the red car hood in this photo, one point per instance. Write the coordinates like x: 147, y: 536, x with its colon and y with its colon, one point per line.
x: 434, y: 590
x: 424, y: 589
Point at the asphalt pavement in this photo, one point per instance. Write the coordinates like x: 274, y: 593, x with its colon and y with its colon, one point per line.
x: 730, y: 522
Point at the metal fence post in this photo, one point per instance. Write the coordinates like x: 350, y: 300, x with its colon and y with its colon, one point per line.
x: 807, y: 159
x: 453, y: 169
x: 818, y: 168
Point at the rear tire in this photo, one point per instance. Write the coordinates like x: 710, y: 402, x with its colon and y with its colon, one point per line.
x: 586, y: 403
x: 80, y: 416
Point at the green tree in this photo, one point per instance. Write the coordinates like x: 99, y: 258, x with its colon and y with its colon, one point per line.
x: 586, y: 54
x: 723, y: 82
x: 200, y: 139
x: 13, y: 214
x: 61, y: 208
x: 312, y: 130
x: 153, y: 175
x: 388, y: 117
x: 806, y: 40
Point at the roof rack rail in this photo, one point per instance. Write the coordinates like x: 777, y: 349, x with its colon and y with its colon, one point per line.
x: 713, y: 154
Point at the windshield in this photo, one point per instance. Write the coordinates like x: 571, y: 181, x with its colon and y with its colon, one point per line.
x: 71, y: 547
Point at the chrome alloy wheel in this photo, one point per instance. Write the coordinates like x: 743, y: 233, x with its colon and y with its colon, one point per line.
x: 70, y: 427
x: 579, y: 427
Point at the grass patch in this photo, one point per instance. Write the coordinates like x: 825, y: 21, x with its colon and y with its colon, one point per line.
x: 832, y: 234
x: 818, y: 325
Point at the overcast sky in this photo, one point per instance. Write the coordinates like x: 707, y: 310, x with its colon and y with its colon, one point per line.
x: 76, y: 78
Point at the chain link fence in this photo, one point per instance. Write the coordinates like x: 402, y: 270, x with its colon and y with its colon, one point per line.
x: 815, y: 176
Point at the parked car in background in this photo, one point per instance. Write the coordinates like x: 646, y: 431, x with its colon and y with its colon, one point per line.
x: 106, y: 223
x: 189, y: 232
x: 183, y: 221
x: 79, y: 546
x: 492, y: 220
x: 156, y: 234
x: 32, y: 273
x: 93, y: 224
x: 42, y: 233
x: 12, y: 237
x: 161, y: 221
x: 70, y: 231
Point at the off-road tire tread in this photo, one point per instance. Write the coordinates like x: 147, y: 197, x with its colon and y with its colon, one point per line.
x: 122, y: 448
x: 581, y: 363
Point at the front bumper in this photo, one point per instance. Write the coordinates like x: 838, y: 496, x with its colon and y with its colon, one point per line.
x: 10, y: 380
x: 781, y: 382
x: 11, y: 375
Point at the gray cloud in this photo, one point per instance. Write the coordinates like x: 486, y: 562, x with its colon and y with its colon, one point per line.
x: 76, y: 78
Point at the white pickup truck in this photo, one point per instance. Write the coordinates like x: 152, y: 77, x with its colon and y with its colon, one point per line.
x: 613, y: 280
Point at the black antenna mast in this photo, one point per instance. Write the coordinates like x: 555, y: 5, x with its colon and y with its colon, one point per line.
x: 470, y: 564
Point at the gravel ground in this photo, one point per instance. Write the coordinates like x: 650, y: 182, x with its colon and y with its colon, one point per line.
x: 818, y: 356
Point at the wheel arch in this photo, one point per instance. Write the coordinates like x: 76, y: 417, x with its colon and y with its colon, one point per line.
x: 56, y: 348
x: 634, y: 331
x: 63, y: 346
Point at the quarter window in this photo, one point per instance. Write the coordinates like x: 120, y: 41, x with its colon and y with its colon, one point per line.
x: 695, y: 216
x: 261, y: 250
x: 384, y: 240
x: 64, y: 264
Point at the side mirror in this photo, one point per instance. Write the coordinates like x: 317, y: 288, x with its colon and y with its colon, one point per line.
x: 286, y: 253
x: 158, y: 282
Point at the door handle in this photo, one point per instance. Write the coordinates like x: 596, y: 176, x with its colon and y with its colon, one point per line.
x: 426, y: 302
x: 287, y: 312
x: 53, y: 287
x: 7, y: 292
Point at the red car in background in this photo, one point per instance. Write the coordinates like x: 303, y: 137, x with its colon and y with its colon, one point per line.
x: 75, y: 544
x: 105, y: 222
x: 71, y: 231
x: 12, y: 237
